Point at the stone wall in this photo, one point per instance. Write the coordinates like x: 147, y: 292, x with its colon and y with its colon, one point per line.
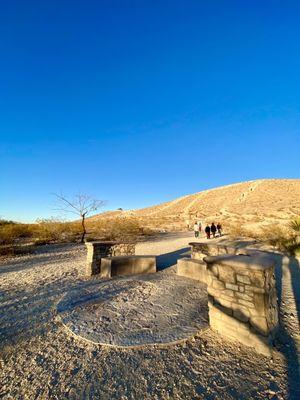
x: 242, y: 298
x: 191, y: 268
x: 98, y: 250
x: 127, y: 265
x: 201, y: 250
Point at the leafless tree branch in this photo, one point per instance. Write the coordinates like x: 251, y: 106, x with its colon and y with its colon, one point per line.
x: 82, y: 205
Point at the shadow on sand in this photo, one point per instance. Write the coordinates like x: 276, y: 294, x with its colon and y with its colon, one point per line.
x: 167, y: 260
x: 288, y: 269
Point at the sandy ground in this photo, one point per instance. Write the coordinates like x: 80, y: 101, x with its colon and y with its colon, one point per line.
x: 136, y: 310
x: 41, y: 360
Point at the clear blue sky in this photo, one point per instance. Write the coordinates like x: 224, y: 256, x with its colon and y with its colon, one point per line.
x: 139, y: 102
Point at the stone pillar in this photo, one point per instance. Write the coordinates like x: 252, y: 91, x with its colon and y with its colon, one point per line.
x: 242, y: 299
x: 98, y: 250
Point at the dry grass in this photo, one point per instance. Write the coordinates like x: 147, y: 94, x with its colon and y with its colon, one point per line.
x: 116, y: 229
x: 239, y: 230
x: 52, y: 230
x: 15, y: 237
x: 10, y: 232
x: 285, y: 238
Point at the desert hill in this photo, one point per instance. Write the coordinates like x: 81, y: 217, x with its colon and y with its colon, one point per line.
x: 258, y: 201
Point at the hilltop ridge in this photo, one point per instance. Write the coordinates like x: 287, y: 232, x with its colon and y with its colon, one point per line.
x: 253, y: 201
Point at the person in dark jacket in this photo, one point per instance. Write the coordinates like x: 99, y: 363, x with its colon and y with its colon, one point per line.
x: 219, y: 227
x: 213, y: 229
x: 207, y: 231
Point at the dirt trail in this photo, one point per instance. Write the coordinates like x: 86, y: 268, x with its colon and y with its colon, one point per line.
x: 251, y: 189
x: 40, y: 360
x: 164, y: 207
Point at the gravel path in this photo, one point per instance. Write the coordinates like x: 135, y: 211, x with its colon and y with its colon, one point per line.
x: 40, y: 360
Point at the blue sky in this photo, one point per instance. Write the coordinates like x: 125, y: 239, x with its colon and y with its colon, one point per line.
x: 139, y: 102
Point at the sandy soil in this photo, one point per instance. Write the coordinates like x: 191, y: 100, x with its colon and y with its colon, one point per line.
x: 136, y: 310
x: 40, y: 360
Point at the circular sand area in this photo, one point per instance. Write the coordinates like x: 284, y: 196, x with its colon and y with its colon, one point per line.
x: 137, y: 310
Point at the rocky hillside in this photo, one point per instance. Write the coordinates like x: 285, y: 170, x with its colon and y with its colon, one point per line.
x: 259, y: 201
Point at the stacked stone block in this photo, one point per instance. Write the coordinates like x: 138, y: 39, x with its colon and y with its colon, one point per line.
x: 98, y: 250
x: 201, y: 250
x: 242, y: 298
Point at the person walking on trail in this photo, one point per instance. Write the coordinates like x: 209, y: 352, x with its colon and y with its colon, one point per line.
x: 219, y: 228
x: 200, y: 226
x: 196, y: 229
x: 207, y: 231
x: 213, y: 229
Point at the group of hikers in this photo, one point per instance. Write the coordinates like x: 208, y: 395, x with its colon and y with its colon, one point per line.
x: 209, y: 229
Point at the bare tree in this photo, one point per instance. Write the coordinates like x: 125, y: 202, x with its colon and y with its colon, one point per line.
x: 81, y: 205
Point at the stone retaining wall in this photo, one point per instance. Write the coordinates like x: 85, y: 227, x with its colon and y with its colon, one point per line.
x: 242, y: 298
x: 98, y: 250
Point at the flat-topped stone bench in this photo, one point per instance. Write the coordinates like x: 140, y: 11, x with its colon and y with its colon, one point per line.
x: 127, y: 265
x: 191, y: 268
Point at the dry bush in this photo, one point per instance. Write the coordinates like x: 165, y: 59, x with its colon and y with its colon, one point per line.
x: 294, y: 225
x: 284, y: 238
x: 53, y: 230
x: 116, y: 229
x: 237, y: 230
x: 42, y: 232
x: 273, y: 233
x: 11, y: 232
x: 6, y: 222
x: 158, y: 223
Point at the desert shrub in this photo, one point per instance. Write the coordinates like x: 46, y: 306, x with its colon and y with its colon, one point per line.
x: 284, y: 238
x: 11, y: 232
x: 6, y: 222
x: 41, y: 232
x: 238, y: 230
x: 294, y: 225
x: 158, y: 223
x: 53, y: 230
x: 116, y: 229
